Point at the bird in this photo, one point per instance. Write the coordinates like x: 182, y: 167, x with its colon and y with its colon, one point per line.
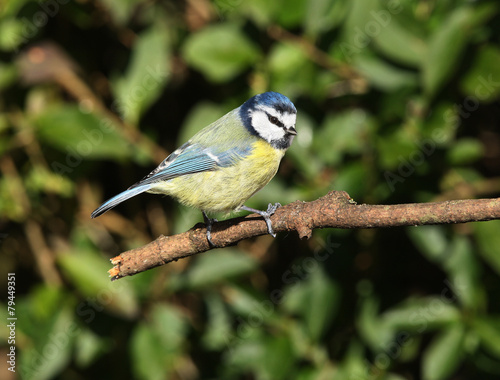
x: 225, y: 163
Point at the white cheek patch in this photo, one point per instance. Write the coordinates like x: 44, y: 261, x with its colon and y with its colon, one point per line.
x: 264, y: 128
x: 288, y: 120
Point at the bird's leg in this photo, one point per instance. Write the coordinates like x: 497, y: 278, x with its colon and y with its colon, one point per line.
x: 271, y: 209
x: 208, y: 223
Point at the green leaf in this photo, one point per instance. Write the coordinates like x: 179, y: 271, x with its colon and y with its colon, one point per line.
x: 394, y: 376
x: 464, y: 271
x: 87, y: 271
x: 254, y: 308
x: 8, y: 75
x: 265, y: 13
x: 420, y: 315
x: 217, y: 266
x: 357, y: 19
x: 88, y: 347
x: 120, y: 10
x: 278, y: 361
x: 157, y: 344
x: 10, y: 208
x: 488, y: 330
x: 146, y: 74
x: 440, y: 127
x: 11, y: 8
x: 292, y: 72
x: 488, y: 240
x: 341, y: 133
x: 81, y: 135
x: 261, y: 12
x: 170, y: 326
x: 247, y: 355
x: 323, y: 15
x: 294, y: 15
x: 445, y: 48
x: 220, y: 52
x: 371, y: 327
x: 321, y: 304
x: 218, y: 330
x: 13, y: 33
x: 465, y: 151
x: 266, y: 355
x: 398, y: 42
x: 384, y: 76
x: 353, y: 179
x: 482, y: 81
x: 40, y: 179
x: 354, y: 365
x: 148, y: 360
x: 303, y: 157
x: 394, y: 150
x: 444, y: 354
x: 199, y: 117
x: 430, y: 240
x: 51, y: 337
x: 286, y: 59
x: 316, y: 299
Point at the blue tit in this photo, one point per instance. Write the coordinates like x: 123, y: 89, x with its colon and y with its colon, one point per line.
x: 225, y: 163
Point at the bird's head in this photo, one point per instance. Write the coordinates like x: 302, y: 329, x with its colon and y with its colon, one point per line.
x: 270, y: 116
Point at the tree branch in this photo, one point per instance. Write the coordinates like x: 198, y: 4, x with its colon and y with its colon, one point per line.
x: 334, y: 210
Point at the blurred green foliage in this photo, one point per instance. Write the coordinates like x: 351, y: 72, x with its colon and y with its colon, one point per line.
x: 397, y: 102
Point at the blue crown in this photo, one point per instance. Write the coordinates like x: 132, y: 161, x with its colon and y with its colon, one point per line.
x: 275, y: 100
x: 270, y: 99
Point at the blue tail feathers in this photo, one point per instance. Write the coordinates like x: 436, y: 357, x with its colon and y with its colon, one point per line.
x: 123, y: 196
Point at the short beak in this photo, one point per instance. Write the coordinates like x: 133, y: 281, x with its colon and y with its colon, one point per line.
x: 291, y: 131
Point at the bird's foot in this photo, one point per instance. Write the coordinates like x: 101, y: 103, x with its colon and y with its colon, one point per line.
x: 208, y: 223
x: 271, y: 209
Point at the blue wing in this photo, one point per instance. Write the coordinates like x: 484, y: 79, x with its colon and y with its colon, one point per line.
x: 188, y: 159
x: 193, y: 158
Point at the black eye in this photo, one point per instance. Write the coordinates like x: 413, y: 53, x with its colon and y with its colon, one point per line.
x: 273, y: 119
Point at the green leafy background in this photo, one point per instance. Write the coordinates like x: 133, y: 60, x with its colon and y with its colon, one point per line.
x: 397, y: 102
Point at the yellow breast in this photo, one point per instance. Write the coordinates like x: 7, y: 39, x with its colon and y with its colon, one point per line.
x: 226, y: 189
x: 267, y: 156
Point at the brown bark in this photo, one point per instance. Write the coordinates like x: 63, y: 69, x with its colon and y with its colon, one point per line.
x: 334, y: 210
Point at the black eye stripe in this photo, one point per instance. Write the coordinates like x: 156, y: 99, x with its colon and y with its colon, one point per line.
x: 275, y: 120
